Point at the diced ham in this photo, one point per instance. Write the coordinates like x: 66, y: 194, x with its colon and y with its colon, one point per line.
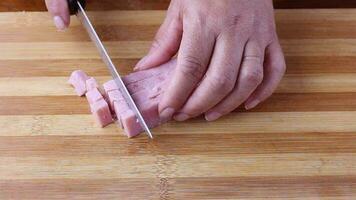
x: 101, y: 112
x: 78, y: 80
x: 91, y: 84
x: 110, y: 86
x: 146, y: 88
x: 99, y: 107
x: 93, y: 96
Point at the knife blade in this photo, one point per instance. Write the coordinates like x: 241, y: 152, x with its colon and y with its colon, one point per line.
x: 83, y: 18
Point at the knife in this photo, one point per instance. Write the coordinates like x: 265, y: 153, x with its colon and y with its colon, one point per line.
x: 76, y: 7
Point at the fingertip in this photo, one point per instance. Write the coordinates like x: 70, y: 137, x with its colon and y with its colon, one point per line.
x: 212, y: 116
x: 250, y: 104
x: 60, y: 13
x: 166, y: 114
x: 59, y: 23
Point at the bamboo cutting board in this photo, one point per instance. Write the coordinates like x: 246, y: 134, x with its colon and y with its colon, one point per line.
x: 300, y: 144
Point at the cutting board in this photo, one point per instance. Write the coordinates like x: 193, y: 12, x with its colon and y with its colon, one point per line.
x: 300, y: 144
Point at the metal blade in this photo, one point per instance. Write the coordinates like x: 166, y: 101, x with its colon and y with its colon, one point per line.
x: 83, y: 18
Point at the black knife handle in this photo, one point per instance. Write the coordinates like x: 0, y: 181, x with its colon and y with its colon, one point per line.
x: 73, y: 6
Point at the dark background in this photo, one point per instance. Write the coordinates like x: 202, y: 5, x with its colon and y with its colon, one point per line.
x: 38, y: 5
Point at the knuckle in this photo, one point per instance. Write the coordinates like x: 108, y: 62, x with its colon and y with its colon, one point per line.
x: 192, y: 67
x: 222, y: 84
x: 254, y: 75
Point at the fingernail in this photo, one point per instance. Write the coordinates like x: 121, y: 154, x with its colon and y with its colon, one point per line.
x: 166, y: 114
x: 181, y: 117
x: 252, y: 104
x: 140, y: 63
x: 212, y: 116
x: 58, y: 21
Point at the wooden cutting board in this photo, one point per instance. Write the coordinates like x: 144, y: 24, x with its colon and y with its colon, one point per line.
x: 300, y: 144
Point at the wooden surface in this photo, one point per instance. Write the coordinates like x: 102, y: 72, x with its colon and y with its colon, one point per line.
x: 38, y: 5
x: 300, y: 144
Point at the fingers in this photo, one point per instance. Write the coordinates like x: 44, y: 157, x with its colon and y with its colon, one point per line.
x: 60, y: 13
x: 219, y: 80
x: 164, y: 46
x: 193, y: 57
x: 166, y: 42
x: 274, y: 70
x: 250, y: 76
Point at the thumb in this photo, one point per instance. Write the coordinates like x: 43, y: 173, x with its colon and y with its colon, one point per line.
x: 164, y: 46
x: 60, y: 13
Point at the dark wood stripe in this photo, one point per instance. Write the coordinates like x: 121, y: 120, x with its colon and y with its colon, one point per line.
x: 48, y: 105
x: 308, y: 102
x: 314, y: 29
x: 182, y: 188
x: 319, y: 65
x: 38, y: 5
x: 194, y: 144
x: 67, y: 105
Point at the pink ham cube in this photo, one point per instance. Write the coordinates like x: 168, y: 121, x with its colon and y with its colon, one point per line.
x: 113, y: 96
x: 93, y: 96
x: 130, y: 123
x: 78, y: 81
x: 110, y: 86
x: 91, y: 84
x: 101, y: 112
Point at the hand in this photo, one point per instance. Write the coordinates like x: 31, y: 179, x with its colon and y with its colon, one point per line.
x: 60, y: 13
x: 228, y: 55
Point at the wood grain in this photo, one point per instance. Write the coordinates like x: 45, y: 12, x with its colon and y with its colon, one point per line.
x: 38, y: 5
x: 299, y: 144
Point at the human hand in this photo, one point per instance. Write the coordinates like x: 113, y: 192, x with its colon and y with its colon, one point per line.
x: 60, y: 13
x: 228, y: 55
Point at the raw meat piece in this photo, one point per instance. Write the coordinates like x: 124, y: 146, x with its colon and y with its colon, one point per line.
x: 142, y: 75
x: 145, y: 87
x: 101, y: 112
x: 93, y: 96
x: 110, y: 86
x: 91, y: 84
x: 78, y: 81
x: 129, y: 122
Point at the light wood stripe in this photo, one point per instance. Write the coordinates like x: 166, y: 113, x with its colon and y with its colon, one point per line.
x: 291, y: 188
x: 177, y: 166
x: 70, y: 50
x: 279, y: 102
x: 298, y: 83
x: 178, y: 144
x: 266, y: 122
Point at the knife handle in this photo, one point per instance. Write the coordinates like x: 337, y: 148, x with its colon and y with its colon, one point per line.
x: 73, y: 6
